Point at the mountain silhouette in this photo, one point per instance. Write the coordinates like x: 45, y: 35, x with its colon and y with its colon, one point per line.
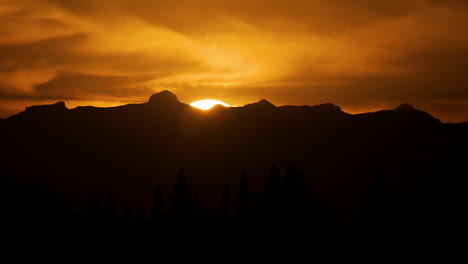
x: 57, y: 107
x: 262, y: 104
x: 129, y: 150
x: 405, y: 108
x: 164, y: 98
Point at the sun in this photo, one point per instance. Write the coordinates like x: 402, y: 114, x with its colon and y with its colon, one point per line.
x: 208, y: 104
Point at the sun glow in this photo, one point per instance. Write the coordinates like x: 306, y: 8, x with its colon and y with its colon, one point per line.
x: 208, y: 104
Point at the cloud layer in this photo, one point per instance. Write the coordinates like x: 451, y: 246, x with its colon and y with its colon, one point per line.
x: 360, y: 54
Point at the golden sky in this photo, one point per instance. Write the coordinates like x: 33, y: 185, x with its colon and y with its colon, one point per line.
x: 362, y: 55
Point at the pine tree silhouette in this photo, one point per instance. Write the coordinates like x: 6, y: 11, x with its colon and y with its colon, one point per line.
x: 184, y: 204
x: 127, y: 217
x: 245, y: 199
x: 296, y: 203
x: 271, y: 202
x: 293, y: 178
x: 111, y: 208
x: 226, y: 203
x: 94, y: 208
x: 140, y: 213
x: 273, y: 182
x: 157, y: 211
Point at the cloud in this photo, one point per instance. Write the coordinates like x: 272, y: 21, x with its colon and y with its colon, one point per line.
x: 47, y: 52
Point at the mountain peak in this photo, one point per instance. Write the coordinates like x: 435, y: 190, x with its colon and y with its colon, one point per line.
x: 264, y: 104
x: 218, y: 107
x: 164, y: 97
x: 405, y: 107
x: 327, y: 107
x: 58, y: 106
x: 407, y: 111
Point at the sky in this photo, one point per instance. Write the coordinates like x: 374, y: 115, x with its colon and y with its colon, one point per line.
x: 362, y: 55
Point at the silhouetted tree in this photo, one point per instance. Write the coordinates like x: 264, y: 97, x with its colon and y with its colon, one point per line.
x: 296, y: 195
x: 273, y: 182
x: 226, y: 202
x: 157, y: 211
x: 94, y: 208
x: 272, y: 193
x: 140, y: 213
x: 184, y: 204
x: 58, y: 209
x: 293, y: 178
x: 127, y: 216
x: 245, y: 199
x: 111, y: 208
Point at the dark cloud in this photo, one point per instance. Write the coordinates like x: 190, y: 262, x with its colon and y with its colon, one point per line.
x: 69, y: 86
x: 50, y: 51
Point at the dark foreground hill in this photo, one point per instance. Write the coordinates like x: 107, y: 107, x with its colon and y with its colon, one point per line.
x: 404, y: 155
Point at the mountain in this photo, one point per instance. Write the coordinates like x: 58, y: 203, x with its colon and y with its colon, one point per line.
x: 163, y: 98
x: 130, y: 149
x: 262, y: 104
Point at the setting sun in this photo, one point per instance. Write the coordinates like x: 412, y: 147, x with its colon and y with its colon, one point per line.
x: 208, y: 104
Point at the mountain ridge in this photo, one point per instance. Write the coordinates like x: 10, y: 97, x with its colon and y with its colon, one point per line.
x: 166, y: 99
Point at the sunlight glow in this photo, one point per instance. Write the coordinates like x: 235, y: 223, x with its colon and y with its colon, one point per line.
x: 208, y: 104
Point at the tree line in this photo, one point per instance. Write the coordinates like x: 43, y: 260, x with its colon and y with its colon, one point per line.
x: 285, y: 198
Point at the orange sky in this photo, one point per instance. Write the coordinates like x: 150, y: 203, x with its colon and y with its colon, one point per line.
x: 359, y: 54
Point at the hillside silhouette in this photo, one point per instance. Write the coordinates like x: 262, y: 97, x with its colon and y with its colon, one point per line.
x: 164, y: 160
